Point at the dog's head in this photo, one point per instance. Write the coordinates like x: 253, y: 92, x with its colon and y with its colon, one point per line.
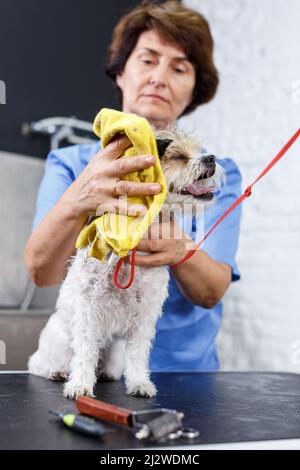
x: 192, y: 175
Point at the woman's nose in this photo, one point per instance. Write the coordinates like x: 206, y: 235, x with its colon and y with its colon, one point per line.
x: 157, y: 81
x: 158, y: 76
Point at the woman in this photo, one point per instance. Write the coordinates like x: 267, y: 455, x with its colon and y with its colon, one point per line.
x: 160, y: 60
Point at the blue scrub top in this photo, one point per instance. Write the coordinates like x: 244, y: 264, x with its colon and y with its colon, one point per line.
x: 185, y: 337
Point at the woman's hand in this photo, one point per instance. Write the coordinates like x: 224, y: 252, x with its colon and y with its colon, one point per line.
x: 165, y: 243
x: 98, y: 187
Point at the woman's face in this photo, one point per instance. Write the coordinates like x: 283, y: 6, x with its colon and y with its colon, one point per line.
x: 158, y: 80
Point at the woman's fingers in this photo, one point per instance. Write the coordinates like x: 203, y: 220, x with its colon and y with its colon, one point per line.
x: 117, y: 147
x: 152, y: 245
x: 125, y: 165
x: 154, y: 259
x: 114, y: 149
x: 105, y: 177
x: 134, y: 188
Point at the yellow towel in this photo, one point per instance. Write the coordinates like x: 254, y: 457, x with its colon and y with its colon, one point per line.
x: 122, y: 233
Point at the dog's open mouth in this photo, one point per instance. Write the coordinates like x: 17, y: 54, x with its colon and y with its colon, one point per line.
x: 198, y: 190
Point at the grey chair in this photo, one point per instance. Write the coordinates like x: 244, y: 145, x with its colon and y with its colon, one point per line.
x: 24, y: 308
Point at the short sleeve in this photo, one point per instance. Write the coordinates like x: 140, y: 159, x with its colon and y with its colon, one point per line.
x: 56, y: 180
x: 222, y: 243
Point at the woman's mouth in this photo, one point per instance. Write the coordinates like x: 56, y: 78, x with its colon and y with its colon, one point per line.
x: 155, y: 97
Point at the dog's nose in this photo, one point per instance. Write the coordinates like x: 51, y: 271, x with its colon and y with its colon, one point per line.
x: 209, y: 160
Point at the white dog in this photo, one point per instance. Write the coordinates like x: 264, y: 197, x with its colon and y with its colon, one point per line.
x: 99, y: 331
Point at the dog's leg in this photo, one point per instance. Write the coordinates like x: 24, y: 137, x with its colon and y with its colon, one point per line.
x: 136, y: 372
x: 52, y: 359
x: 153, y: 292
x: 86, y: 343
x: 112, y: 366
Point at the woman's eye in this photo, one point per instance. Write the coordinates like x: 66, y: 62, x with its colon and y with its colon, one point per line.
x: 179, y: 70
x: 147, y: 61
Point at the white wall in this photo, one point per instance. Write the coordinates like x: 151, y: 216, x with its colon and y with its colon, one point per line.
x: 257, y: 44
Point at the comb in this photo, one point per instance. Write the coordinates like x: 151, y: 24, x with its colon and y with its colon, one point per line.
x: 156, y: 424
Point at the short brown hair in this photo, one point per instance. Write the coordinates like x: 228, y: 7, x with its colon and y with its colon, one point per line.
x: 177, y: 24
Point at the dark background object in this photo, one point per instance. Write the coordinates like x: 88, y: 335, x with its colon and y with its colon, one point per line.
x: 222, y: 406
x: 51, y: 60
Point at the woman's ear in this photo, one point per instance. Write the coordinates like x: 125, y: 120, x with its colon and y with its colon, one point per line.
x: 119, y: 80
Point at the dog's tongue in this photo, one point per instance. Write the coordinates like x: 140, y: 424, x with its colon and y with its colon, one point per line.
x: 197, y: 189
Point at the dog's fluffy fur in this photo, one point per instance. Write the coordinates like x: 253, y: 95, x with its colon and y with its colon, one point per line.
x: 101, y: 332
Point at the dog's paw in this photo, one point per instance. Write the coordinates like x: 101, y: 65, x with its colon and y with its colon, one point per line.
x: 38, y: 366
x: 75, y: 389
x: 143, y: 389
x: 58, y: 376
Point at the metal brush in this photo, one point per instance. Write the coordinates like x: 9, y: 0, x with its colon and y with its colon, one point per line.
x: 156, y: 424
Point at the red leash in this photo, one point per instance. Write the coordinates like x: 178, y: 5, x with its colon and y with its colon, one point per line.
x: 246, y: 194
x: 118, y: 267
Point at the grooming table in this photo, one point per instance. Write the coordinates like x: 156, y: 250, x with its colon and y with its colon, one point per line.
x: 230, y: 410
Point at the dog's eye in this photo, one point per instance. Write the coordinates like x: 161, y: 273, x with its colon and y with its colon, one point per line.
x: 179, y: 157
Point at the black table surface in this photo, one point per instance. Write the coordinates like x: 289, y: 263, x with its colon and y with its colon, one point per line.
x: 222, y: 406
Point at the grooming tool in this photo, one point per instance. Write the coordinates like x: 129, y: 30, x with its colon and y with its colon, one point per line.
x: 81, y: 424
x: 155, y: 424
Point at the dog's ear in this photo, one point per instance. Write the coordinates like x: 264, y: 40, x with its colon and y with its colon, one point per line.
x: 162, y: 145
